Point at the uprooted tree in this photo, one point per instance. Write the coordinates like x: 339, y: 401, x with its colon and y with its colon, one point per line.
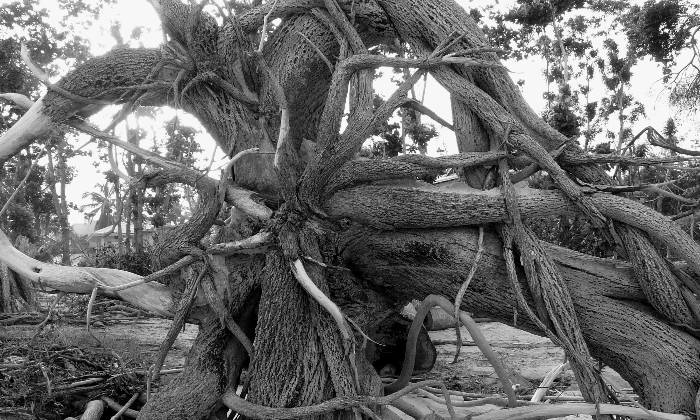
x: 318, y: 245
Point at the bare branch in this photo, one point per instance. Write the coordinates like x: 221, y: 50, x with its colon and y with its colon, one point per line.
x: 20, y: 100
x: 153, y: 297
x: 243, y: 200
x: 255, y: 411
x: 417, y: 106
x: 114, y: 165
x: 586, y: 159
x: 463, y: 289
x: 561, y: 410
x: 305, y: 281
x: 254, y: 244
x: 219, y: 307
x: 172, y: 269
x: 263, y: 32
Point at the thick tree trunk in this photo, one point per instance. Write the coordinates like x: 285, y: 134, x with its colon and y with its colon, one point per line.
x: 622, y: 330
x: 213, y: 365
x: 299, y: 345
x: 471, y: 137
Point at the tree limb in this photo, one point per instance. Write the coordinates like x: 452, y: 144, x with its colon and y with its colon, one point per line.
x: 153, y: 297
x: 430, y: 208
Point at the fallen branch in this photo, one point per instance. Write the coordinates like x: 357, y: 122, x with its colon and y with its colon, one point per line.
x: 126, y: 406
x: 406, y: 166
x: 561, y: 410
x: 656, y: 139
x: 624, y: 160
x: 256, y: 411
x: 417, y: 106
x: 118, y: 407
x: 93, y: 411
x: 217, y: 304
x: 172, y: 269
x: 152, y: 297
x: 548, y: 381
x: 91, y: 303
x: 184, y: 306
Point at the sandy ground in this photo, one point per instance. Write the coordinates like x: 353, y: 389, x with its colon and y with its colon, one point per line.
x: 529, y: 357
x: 140, y: 338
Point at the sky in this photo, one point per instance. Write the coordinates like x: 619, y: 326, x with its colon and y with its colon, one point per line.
x: 131, y: 14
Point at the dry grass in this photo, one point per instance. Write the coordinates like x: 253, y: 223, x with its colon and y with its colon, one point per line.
x: 53, y: 374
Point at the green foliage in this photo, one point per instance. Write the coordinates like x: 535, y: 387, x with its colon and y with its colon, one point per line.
x: 31, y: 201
x: 112, y: 257
x: 541, y: 12
x: 163, y: 206
x: 656, y: 29
x: 563, y: 119
x: 418, y: 132
x: 50, y: 37
x: 180, y: 144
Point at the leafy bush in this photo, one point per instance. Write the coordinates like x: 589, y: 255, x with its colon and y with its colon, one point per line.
x: 112, y: 257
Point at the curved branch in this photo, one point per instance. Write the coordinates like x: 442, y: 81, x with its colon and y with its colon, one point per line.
x: 324, y: 301
x: 423, y: 309
x: 255, y: 411
x: 152, y: 297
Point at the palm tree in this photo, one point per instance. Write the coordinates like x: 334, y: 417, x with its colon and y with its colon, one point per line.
x: 102, y: 205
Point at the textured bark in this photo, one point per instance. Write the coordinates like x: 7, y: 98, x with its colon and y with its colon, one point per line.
x: 402, y: 243
x: 213, y: 364
x: 621, y: 329
x: 297, y: 344
x: 471, y: 137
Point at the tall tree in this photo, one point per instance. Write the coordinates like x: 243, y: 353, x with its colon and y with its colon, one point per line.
x: 284, y: 314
